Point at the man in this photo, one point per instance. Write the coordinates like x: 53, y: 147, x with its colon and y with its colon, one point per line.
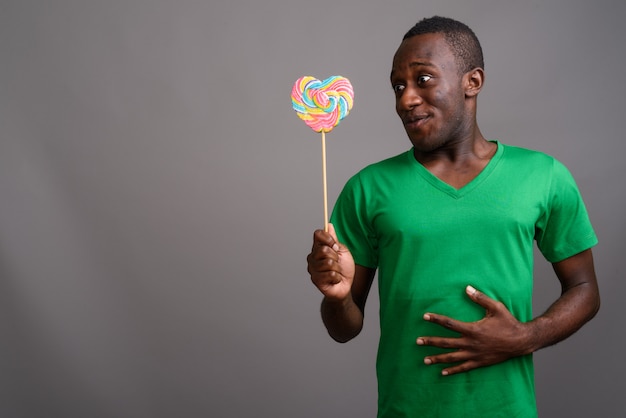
x: 450, y: 226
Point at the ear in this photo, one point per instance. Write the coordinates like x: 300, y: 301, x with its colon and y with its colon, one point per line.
x: 473, y: 82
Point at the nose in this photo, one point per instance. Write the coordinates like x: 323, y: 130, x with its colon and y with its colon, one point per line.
x: 409, y: 99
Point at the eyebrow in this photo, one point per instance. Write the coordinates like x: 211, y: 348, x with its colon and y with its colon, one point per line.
x: 420, y: 63
x: 416, y: 64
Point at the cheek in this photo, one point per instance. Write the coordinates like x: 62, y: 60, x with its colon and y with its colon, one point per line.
x: 441, y: 98
x: 447, y: 101
x: 399, y: 108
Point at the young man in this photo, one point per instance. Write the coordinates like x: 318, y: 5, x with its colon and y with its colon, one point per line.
x: 450, y: 226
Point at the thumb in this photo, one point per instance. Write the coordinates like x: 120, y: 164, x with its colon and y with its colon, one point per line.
x: 331, y: 231
x: 333, y: 234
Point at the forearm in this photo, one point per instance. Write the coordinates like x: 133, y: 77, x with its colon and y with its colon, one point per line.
x: 568, y: 314
x: 343, y: 319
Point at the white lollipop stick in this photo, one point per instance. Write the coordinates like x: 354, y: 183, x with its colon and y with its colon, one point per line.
x: 324, y: 181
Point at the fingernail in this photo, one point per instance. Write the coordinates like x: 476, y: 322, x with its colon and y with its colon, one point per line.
x: 335, y: 247
x: 420, y: 341
x: 427, y: 317
x: 444, y: 372
x: 470, y: 290
x: 428, y: 361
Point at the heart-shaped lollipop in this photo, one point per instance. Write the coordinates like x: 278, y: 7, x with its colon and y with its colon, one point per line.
x: 322, y: 104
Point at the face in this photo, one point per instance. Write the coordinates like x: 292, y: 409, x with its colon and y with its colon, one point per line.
x: 430, y: 98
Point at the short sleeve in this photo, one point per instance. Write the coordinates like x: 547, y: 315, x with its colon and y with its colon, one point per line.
x: 564, y: 229
x: 353, y: 225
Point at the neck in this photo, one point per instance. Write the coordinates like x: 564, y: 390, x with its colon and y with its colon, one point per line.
x: 460, y: 150
x: 458, y: 162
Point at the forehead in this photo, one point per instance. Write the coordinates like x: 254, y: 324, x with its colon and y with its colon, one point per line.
x: 430, y: 49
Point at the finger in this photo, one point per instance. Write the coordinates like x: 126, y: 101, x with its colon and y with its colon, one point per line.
x: 446, y: 322
x: 325, y: 279
x: 441, y: 342
x: 322, y: 238
x: 464, y: 358
x: 482, y: 299
x: 332, y: 232
x: 324, y: 269
x: 320, y: 263
x: 322, y: 259
x: 323, y: 252
x: 451, y: 357
x: 461, y: 368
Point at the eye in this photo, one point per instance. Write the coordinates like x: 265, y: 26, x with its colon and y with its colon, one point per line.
x: 397, y: 88
x: 423, y: 79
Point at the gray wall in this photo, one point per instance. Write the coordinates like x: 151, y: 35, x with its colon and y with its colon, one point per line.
x: 158, y: 195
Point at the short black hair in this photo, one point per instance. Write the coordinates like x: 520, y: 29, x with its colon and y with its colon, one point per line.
x: 461, y: 39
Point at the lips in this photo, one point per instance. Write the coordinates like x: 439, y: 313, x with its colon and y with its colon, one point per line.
x: 414, y: 121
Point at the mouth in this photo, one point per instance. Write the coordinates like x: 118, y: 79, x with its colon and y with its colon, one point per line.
x: 414, y: 121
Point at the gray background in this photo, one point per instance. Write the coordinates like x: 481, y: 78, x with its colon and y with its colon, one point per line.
x: 158, y: 196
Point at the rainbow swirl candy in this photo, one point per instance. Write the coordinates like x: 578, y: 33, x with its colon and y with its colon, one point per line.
x: 322, y: 104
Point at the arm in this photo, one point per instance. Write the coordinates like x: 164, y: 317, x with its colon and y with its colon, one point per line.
x: 499, y: 336
x: 345, y: 286
x: 579, y: 301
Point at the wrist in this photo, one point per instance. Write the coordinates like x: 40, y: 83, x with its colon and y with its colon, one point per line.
x: 337, y: 302
x: 531, y: 340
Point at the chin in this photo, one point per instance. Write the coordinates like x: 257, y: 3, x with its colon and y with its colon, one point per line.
x: 426, y: 145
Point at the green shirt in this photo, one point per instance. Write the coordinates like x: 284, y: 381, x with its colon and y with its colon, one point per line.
x: 429, y: 241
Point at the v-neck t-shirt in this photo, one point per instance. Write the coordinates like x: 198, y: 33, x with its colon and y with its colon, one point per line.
x: 429, y: 240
